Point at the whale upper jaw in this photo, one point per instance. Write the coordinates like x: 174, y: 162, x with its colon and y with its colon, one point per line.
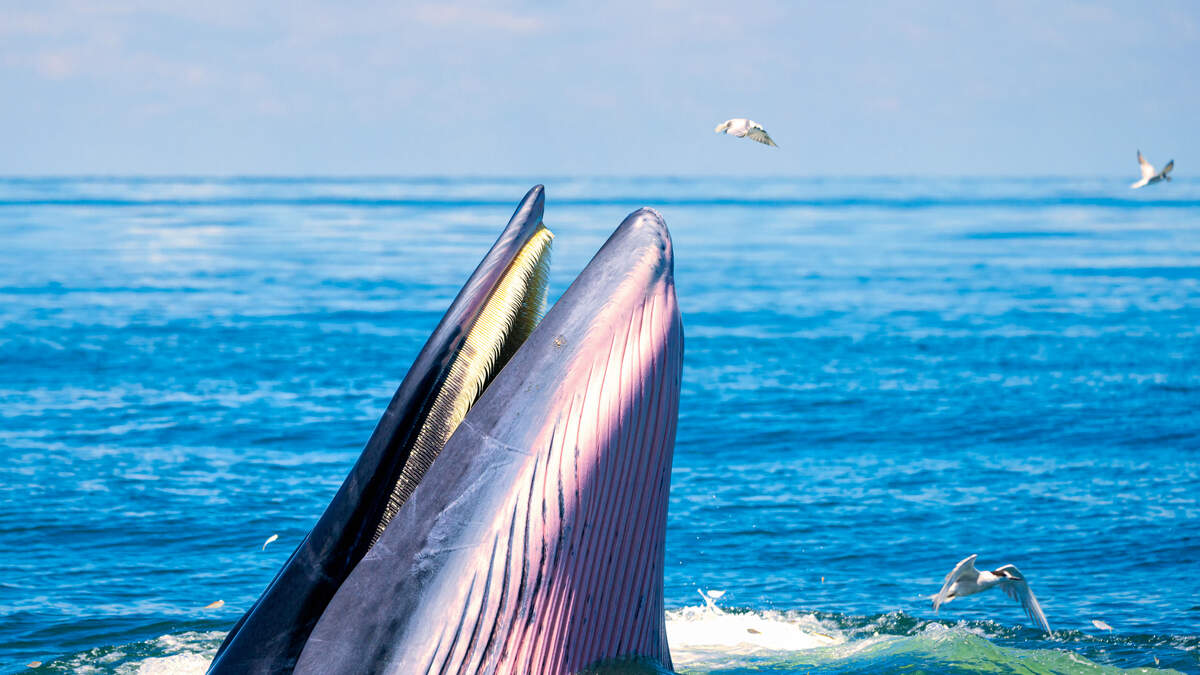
x: 269, y: 637
x: 534, y: 542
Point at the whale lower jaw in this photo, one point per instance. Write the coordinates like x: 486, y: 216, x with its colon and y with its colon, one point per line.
x: 533, y: 543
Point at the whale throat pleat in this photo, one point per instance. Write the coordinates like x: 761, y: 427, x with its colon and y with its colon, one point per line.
x: 507, y: 318
x: 585, y: 528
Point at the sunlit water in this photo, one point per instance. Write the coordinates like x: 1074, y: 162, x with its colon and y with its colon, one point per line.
x: 881, y: 377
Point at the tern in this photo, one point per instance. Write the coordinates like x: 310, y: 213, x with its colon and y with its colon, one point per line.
x: 744, y: 128
x: 710, y: 600
x: 966, y: 580
x: 1149, y: 175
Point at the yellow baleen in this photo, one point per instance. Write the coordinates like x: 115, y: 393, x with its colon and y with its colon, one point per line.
x: 509, y: 315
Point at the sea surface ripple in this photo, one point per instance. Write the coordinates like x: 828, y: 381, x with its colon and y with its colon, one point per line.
x: 882, y: 376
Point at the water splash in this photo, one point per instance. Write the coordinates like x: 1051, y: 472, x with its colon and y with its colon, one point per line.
x: 708, y: 639
x: 181, y: 654
x: 732, y: 641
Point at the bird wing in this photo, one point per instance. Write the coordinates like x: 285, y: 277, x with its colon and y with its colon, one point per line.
x: 759, y: 134
x: 1167, y: 169
x: 1146, y: 167
x: 1018, y: 589
x: 964, y: 567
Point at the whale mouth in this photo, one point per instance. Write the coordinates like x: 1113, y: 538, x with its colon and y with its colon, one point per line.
x: 487, y: 322
x: 505, y: 319
x: 536, y: 543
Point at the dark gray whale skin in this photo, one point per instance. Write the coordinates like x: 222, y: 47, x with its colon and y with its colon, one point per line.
x: 269, y: 637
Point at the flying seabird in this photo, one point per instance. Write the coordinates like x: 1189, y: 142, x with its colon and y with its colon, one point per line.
x: 710, y: 600
x: 1149, y: 175
x: 966, y: 580
x: 744, y: 128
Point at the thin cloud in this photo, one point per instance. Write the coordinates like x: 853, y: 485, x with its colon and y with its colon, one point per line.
x: 55, y: 65
x: 443, y: 15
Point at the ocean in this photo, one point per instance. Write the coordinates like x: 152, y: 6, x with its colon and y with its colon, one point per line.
x: 882, y: 376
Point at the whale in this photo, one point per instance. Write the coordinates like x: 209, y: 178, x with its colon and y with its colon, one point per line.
x: 508, y: 513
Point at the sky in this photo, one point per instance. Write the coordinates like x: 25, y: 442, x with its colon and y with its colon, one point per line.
x: 233, y: 87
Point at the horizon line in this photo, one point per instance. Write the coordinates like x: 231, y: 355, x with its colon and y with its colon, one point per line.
x: 516, y: 176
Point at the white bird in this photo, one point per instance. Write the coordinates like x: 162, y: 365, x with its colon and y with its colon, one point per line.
x: 710, y: 600
x: 744, y: 128
x: 1149, y: 175
x: 966, y: 580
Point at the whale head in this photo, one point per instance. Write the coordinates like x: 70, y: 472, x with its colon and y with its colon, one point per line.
x: 508, y: 513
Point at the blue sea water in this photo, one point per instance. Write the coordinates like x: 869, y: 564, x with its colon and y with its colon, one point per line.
x: 882, y: 376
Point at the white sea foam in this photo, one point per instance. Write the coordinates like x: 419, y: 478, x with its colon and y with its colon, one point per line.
x: 696, y: 635
x: 186, y: 653
x: 697, y: 630
x: 181, y: 654
x: 702, y: 640
x: 178, y: 664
